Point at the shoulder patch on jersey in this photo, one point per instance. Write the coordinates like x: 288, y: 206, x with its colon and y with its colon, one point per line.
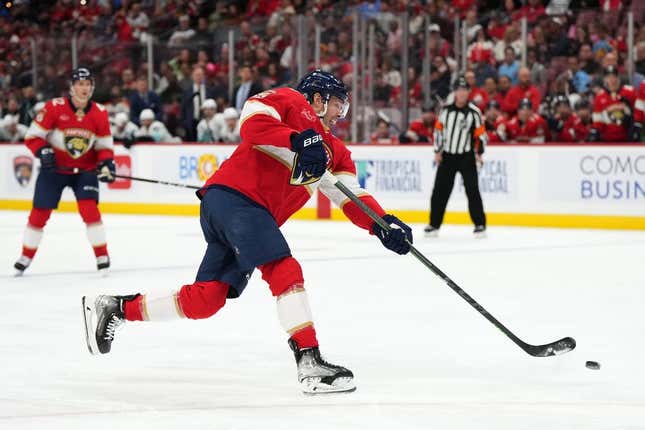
x: 59, y: 101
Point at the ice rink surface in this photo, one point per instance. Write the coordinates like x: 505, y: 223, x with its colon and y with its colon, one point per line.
x: 423, y: 358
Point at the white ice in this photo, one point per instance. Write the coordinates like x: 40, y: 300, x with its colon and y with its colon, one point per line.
x: 423, y: 358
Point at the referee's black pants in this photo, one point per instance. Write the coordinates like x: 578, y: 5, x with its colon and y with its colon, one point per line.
x: 444, y: 181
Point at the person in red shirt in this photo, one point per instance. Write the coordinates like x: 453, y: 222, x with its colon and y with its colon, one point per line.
x: 639, y: 114
x: 421, y: 130
x: 287, y: 153
x: 583, y: 111
x: 613, y: 111
x: 527, y: 126
x: 565, y: 125
x: 495, y: 122
x: 479, y: 96
x: 523, y: 90
x: 71, y: 137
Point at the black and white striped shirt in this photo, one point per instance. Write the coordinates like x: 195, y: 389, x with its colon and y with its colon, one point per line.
x: 460, y: 130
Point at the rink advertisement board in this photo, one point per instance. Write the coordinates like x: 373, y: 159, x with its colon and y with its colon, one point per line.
x: 569, y: 185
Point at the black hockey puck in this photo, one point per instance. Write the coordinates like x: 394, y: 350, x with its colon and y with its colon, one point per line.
x: 594, y: 365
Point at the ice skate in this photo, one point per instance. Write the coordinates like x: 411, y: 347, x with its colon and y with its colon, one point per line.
x: 102, y: 315
x: 21, y: 265
x: 479, y: 232
x: 430, y: 231
x: 103, y: 264
x: 319, y: 377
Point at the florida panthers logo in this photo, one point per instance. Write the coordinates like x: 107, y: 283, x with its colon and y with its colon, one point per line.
x: 76, y: 145
x: 23, y: 166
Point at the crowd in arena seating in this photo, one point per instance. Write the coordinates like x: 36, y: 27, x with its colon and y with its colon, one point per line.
x: 575, y: 48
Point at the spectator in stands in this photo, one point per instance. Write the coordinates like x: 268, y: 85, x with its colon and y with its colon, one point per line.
x: 503, y: 87
x: 26, y: 112
x: 564, y: 125
x: 437, y: 44
x: 230, y: 127
x: 490, y: 86
x: 494, y: 122
x: 182, y: 35
x: 477, y: 95
x: 481, y: 49
x: 138, y: 21
x: 203, y: 36
x: 587, y: 62
x: 11, y: 130
x: 247, y: 88
x: 191, y: 102
x: 382, y: 90
x: 382, y: 133
x: 394, y: 37
x: 440, y: 77
x: 579, y: 79
x: 152, y: 130
x: 128, y: 84
x: 538, y: 71
x: 124, y: 130
x: 602, y: 45
x: 208, y: 127
x: 142, y: 99
x: 483, y: 72
x: 524, y: 89
x: 527, y: 126
x: 510, y: 67
x: 511, y: 40
x: 421, y: 130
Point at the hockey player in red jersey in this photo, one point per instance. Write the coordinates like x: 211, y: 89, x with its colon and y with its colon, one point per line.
x: 71, y: 137
x: 639, y: 114
x: 526, y: 126
x: 495, y: 122
x: 286, y: 148
x: 613, y: 111
x: 565, y: 125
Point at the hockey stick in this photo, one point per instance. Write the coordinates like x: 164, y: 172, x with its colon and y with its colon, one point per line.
x: 133, y: 178
x: 555, y: 348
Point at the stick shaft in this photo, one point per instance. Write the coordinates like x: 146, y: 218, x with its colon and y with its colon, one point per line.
x: 424, y: 260
x: 155, y: 181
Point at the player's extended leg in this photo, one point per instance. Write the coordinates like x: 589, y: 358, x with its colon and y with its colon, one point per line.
x: 104, y: 314
x: 47, y: 193
x: 33, y: 235
x: 468, y: 170
x: 444, y: 182
x: 314, y: 373
x: 89, y: 211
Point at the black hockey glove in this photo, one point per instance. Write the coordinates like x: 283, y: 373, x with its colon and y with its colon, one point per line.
x: 311, y: 157
x: 47, y: 159
x: 398, y: 238
x: 106, y: 171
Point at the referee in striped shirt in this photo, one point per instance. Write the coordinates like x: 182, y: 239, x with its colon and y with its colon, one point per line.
x: 459, y: 142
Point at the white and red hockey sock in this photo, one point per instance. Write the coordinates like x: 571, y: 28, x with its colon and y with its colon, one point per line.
x: 196, y: 301
x: 287, y: 285
x: 34, y: 231
x: 89, y: 211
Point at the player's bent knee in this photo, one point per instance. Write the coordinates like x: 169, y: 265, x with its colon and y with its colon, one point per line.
x: 202, y: 299
x: 89, y: 211
x: 38, y: 217
x: 282, y: 274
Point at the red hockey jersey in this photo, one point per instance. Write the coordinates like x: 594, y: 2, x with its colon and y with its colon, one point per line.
x: 573, y: 130
x: 639, y: 107
x: 533, y: 130
x: 611, y: 113
x: 80, y: 138
x: 260, y: 168
x: 496, y: 131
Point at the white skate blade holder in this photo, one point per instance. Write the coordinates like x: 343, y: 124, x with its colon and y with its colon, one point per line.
x: 89, y: 317
x: 313, y: 386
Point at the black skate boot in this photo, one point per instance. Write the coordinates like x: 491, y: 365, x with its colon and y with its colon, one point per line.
x: 430, y: 231
x: 103, y: 264
x: 317, y: 376
x: 103, y: 315
x: 480, y: 231
x: 21, y: 265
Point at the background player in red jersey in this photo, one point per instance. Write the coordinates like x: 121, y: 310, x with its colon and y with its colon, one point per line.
x: 613, y: 111
x: 72, y: 138
x: 286, y: 148
x: 526, y: 126
x: 564, y: 124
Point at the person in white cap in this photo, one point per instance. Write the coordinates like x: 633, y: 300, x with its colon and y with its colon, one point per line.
x: 11, y: 130
x: 230, y: 126
x: 123, y: 130
x: 208, y: 129
x: 154, y: 129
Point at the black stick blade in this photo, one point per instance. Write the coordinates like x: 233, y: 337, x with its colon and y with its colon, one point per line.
x: 559, y: 347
